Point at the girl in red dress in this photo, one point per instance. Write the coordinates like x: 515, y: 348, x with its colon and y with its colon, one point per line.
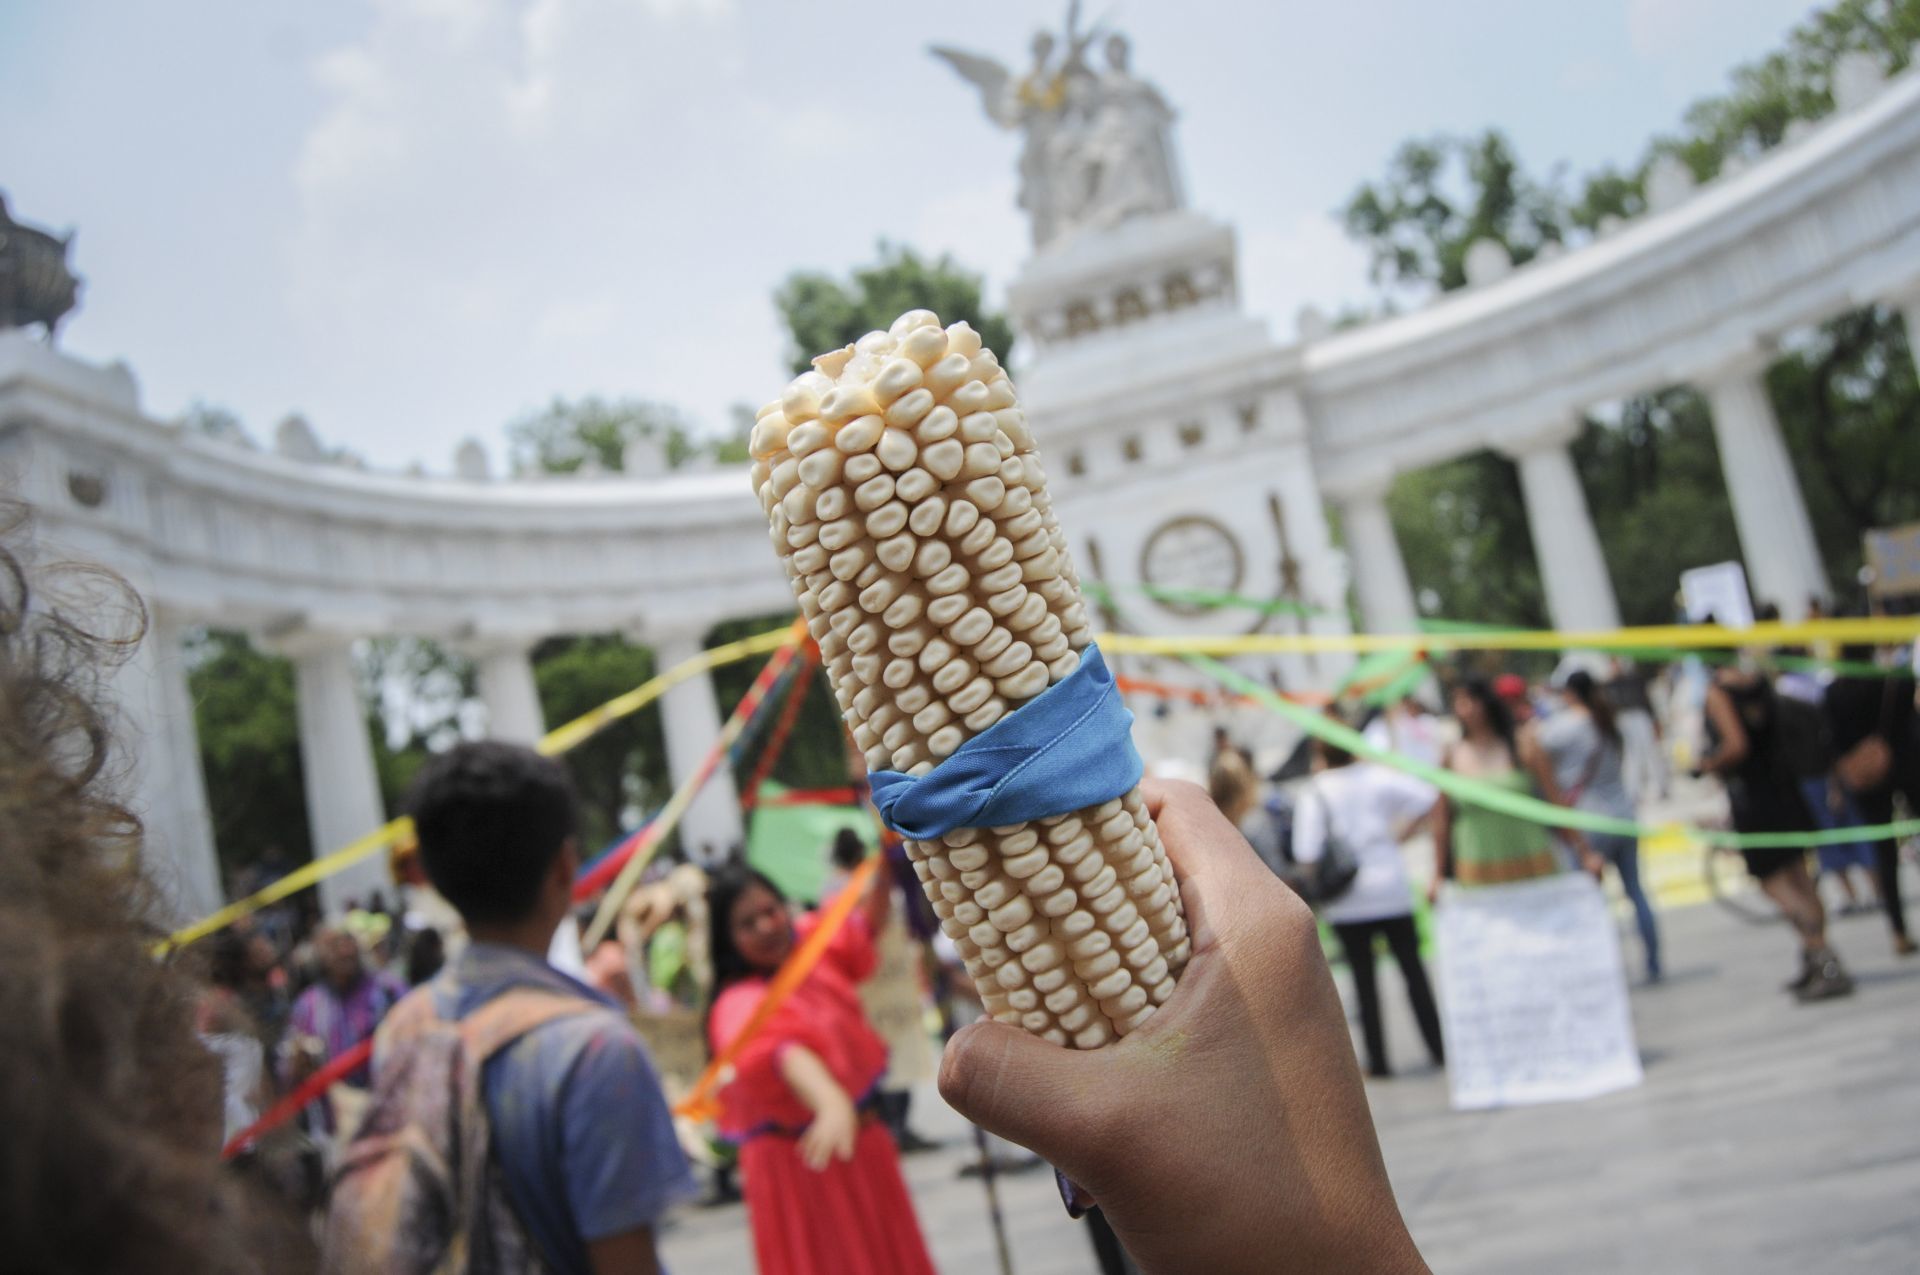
x: 822, y: 1177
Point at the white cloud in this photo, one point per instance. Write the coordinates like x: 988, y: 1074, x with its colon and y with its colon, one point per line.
x: 526, y: 201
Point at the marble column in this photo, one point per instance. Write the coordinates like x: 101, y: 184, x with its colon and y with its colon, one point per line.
x: 1379, y: 573
x: 691, y: 719
x: 1573, y: 571
x: 507, y: 688
x: 164, y: 784
x: 1776, y: 535
x: 336, y: 760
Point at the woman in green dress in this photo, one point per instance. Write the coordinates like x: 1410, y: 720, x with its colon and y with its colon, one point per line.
x: 1476, y: 846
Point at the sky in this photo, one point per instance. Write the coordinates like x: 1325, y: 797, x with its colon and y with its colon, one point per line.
x: 411, y: 221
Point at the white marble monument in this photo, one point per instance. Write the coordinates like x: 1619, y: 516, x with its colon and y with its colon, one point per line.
x: 1186, y: 447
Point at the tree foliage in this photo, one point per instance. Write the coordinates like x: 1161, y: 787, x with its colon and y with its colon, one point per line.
x: 1849, y: 403
x: 420, y: 698
x: 824, y: 313
x: 244, y: 712
x: 610, y: 435
x: 1439, y: 196
x: 815, y: 753
x: 1845, y: 393
x: 1471, y: 560
x: 214, y: 421
x: 622, y: 771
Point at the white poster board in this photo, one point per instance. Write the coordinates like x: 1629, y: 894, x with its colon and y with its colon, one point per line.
x: 1718, y: 593
x: 1533, y: 996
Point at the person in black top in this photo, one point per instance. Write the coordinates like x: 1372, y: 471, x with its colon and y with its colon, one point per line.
x: 1749, y: 753
x: 1858, y: 709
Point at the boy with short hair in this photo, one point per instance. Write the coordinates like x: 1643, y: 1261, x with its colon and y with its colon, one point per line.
x: 582, y: 1148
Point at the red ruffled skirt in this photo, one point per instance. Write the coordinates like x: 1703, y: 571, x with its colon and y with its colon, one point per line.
x: 852, y: 1218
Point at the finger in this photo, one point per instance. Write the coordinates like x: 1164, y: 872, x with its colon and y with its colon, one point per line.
x: 1201, y: 842
x: 1217, y: 871
x: 1013, y: 1084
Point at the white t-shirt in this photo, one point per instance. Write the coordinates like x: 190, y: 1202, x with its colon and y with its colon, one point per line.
x: 1368, y: 804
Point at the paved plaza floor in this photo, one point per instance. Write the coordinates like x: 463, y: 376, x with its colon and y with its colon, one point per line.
x: 1768, y: 1137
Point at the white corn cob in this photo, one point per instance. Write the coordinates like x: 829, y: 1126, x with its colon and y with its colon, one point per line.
x: 911, y: 512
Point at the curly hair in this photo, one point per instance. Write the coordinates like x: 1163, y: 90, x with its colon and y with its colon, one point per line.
x: 112, y: 1108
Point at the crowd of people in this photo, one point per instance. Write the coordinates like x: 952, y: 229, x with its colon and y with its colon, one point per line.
x: 1795, y: 752
x: 510, y: 1113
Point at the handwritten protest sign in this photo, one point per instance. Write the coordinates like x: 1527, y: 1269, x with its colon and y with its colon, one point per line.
x: 1534, y: 998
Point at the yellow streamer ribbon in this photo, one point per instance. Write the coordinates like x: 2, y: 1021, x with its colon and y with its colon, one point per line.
x: 1876, y: 631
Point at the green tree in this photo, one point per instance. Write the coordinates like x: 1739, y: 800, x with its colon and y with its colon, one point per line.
x: 564, y: 436
x: 815, y: 753
x: 622, y: 771
x: 213, y: 421
x: 1848, y: 403
x: 244, y: 711
x: 1845, y: 394
x: 420, y: 698
x: 1792, y: 83
x: 1439, y: 196
x: 1468, y: 559
x: 1653, y: 486
x: 824, y: 313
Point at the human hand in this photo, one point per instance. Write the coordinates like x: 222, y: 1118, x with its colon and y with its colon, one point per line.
x: 830, y: 1136
x: 1230, y: 1132
x: 1593, y: 864
x: 1433, y: 891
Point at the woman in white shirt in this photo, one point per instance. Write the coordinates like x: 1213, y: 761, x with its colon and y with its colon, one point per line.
x: 1367, y: 806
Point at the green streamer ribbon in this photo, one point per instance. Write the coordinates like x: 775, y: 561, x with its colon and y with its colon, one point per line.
x: 1475, y: 792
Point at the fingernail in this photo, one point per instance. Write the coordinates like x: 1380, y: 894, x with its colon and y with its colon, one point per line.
x: 1076, y: 1197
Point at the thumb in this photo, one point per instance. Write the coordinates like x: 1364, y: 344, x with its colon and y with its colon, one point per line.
x: 1024, y: 1089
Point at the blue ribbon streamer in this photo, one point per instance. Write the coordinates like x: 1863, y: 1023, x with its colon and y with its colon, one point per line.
x: 1068, y: 748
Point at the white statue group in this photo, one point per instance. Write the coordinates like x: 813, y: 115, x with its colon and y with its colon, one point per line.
x: 1098, y: 144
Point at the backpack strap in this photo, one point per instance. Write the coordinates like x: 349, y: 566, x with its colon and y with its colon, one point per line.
x: 512, y: 1014
x: 484, y: 1033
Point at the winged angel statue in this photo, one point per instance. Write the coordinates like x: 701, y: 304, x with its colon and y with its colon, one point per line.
x: 1098, y: 145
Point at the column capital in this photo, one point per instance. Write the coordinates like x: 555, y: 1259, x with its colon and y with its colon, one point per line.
x: 688, y: 637
x: 1902, y: 295
x: 302, y: 640
x: 487, y: 644
x: 1746, y: 360
x: 1557, y: 435
x: 1357, y: 487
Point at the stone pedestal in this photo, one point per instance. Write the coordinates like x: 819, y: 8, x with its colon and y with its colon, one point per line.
x: 691, y: 719
x: 1776, y: 535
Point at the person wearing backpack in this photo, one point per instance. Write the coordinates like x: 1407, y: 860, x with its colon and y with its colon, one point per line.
x: 516, y: 1121
x: 1360, y: 809
x: 1761, y: 750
